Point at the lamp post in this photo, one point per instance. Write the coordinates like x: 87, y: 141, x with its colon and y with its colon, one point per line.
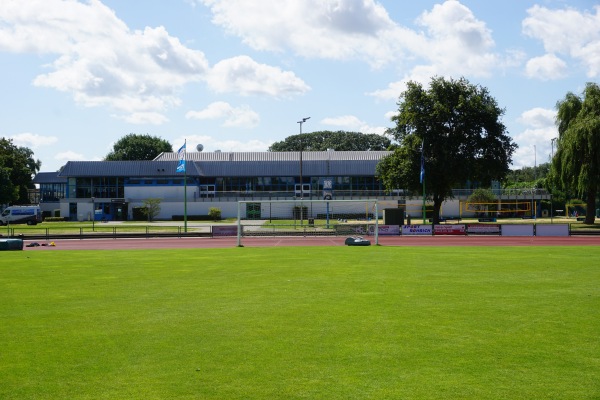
x: 533, y: 190
x: 303, y: 120
x: 552, y: 141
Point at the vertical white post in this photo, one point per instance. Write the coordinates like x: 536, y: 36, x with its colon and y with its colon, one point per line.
x: 376, y: 224
x: 239, y: 225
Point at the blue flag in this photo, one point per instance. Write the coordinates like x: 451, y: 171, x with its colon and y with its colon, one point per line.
x: 181, y: 156
x: 422, y: 164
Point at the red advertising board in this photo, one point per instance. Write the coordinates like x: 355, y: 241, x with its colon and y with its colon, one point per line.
x: 449, y: 230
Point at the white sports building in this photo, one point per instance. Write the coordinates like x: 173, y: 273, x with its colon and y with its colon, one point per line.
x: 112, y: 190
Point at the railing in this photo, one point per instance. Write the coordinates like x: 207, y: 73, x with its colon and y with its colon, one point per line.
x: 112, y: 232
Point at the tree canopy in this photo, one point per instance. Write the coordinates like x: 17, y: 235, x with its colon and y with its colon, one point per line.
x: 455, y: 128
x: 17, y: 167
x: 136, y: 147
x: 339, y: 141
x: 576, y: 163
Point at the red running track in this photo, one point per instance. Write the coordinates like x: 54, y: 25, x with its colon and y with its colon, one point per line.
x: 229, y: 242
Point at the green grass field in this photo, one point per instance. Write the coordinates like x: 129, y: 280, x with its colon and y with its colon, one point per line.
x: 301, y: 323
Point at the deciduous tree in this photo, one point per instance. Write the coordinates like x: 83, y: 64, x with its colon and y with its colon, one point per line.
x: 17, y: 168
x: 134, y: 147
x: 455, y: 128
x: 577, y: 160
x: 339, y: 141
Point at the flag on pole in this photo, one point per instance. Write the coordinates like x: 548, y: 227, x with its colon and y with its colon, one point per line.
x: 181, y: 156
x: 422, y: 163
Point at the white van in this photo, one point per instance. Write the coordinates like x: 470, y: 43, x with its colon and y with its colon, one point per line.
x: 30, y: 215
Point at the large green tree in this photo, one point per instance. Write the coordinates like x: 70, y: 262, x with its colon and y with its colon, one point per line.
x: 136, y: 147
x: 454, y: 130
x: 17, y: 168
x: 339, y: 141
x: 576, y: 163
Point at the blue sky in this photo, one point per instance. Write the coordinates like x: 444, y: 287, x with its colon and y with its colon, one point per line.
x: 237, y: 75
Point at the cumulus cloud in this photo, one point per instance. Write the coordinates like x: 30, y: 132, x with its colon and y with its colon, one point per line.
x: 567, y: 32
x: 245, y: 76
x: 340, y: 30
x: 454, y: 43
x: 352, y: 123
x: 138, y: 74
x: 547, y: 67
x: 33, y: 140
x: 99, y: 60
x: 242, y: 116
x: 535, y: 141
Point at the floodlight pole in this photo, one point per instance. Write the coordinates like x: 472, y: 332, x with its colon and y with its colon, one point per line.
x: 303, y: 120
x: 552, y: 141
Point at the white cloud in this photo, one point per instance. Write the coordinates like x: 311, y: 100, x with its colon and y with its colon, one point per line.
x: 352, y: 123
x: 535, y: 142
x: 567, y: 32
x: 538, y: 117
x: 547, y: 67
x: 99, y: 60
x: 242, y: 116
x: 138, y: 74
x: 246, y: 77
x: 455, y: 43
x: 33, y: 140
x: 70, y: 156
x: 341, y: 30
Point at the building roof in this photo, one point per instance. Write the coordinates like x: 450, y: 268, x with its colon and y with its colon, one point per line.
x: 220, y: 164
x: 48, y: 177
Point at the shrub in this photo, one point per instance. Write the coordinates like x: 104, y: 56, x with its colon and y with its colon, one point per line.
x: 215, y: 213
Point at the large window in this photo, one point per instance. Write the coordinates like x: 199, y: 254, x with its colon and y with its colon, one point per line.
x: 52, y: 191
x: 100, y: 187
x: 255, y: 184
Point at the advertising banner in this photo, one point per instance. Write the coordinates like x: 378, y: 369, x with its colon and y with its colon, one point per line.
x: 226, y: 230
x: 385, y: 230
x: 449, y: 230
x: 517, y: 230
x: 414, y: 230
x: 483, y: 229
x: 552, y: 230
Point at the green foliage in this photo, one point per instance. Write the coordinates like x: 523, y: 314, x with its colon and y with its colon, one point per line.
x: 458, y: 124
x: 214, y: 213
x: 135, y: 147
x: 17, y: 167
x: 329, y: 323
x: 528, y: 177
x: 482, y: 196
x: 577, y: 160
x: 485, y: 196
x: 339, y: 141
x: 151, y: 208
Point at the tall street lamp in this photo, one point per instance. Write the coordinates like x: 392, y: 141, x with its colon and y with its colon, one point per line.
x: 303, y: 120
x: 552, y: 141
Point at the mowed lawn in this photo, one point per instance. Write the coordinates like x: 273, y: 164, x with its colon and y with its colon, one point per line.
x: 301, y: 323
